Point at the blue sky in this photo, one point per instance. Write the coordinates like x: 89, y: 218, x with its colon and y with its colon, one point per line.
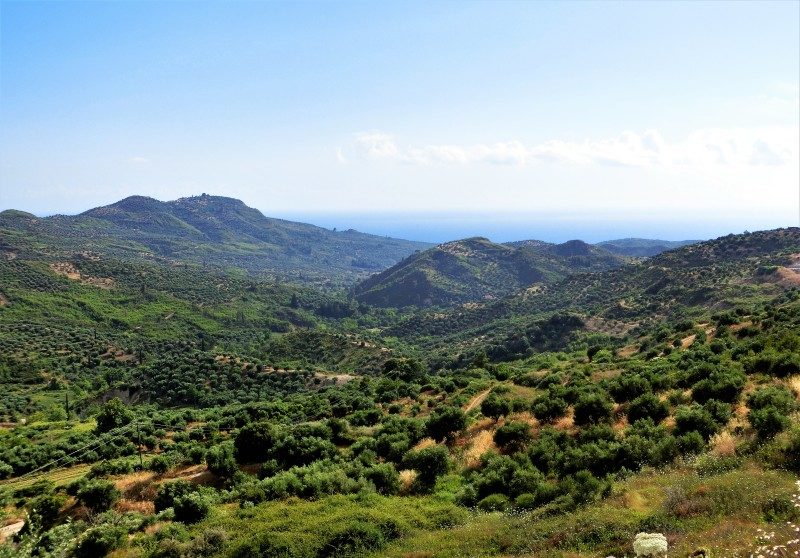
x: 664, y: 113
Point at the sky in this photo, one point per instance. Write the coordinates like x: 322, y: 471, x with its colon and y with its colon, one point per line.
x: 428, y: 120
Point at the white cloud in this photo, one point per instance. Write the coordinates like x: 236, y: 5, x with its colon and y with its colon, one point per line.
x: 708, y: 147
x: 138, y: 160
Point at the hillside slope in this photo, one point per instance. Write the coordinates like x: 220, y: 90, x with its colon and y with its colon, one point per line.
x: 476, y: 269
x: 210, y: 230
x: 712, y: 275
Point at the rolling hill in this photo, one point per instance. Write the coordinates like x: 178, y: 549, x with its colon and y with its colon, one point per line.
x: 708, y: 276
x: 642, y: 247
x: 476, y: 269
x: 211, y: 231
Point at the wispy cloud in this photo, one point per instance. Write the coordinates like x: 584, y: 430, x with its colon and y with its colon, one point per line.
x: 707, y: 147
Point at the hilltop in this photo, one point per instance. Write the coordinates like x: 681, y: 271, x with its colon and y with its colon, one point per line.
x: 210, y: 231
x: 476, y: 269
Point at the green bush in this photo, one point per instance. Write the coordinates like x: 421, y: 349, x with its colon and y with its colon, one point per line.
x: 592, y: 407
x: 98, y: 495
x: 168, y: 492
x: 191, y: 508
x: 494, y: 502
x: 429, y: 463
x: 356, y: 539
x: 513, y: 436
x: 99, y: 541
x: 647, y: 406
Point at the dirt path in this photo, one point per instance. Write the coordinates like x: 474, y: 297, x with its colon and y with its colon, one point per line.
x: 477, y: 400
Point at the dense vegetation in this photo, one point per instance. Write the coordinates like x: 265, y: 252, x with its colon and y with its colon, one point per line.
x: 157, y: 411
x: 476, y: 269
x: 213, y: 231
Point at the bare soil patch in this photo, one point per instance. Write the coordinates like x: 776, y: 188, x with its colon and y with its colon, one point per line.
x: 68, y: 270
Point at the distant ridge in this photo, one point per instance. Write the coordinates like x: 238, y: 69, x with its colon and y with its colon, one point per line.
x: 642, y: 247
x: 212, y: 231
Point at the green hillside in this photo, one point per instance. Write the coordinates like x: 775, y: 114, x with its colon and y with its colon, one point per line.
x: 476, y: 269
x: 154, y: 410
x: 212, y: 231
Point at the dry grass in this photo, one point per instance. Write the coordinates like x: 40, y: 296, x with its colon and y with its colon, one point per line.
x: 424, y: 443
x: 480, y: 444
x: 794, y: 384
x: 143, y: 507
x: 139, y: 486
x: 687, y: 341
x: 566, y: 422
x: 724, y: 444
x: 407, y: 477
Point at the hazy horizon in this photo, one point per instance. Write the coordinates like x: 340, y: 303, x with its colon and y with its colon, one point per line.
x: 442, y: 226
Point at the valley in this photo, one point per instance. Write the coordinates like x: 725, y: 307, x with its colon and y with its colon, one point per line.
x: 167, y: 394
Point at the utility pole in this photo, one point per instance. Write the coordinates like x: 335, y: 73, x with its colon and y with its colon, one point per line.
x: 139, y: 436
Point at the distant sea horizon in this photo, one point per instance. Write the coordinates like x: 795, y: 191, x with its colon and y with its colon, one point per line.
x: 509, y: 227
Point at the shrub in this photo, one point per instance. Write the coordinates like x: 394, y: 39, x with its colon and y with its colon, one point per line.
x: 44, y: 510
x: 356, y: 539
x: 429, y: 463
x: 445, y: 423
x: 168, y: 492
x: 768, y: 422
x: 722, y: 385
x: 220, y: 460
x: 98, y: 495
x: 592, y: 407
x: 647, y: 406
x: 385, y: 478
x: 513, y: 436
x: 191, y: 508
x: 493, y: 502
x: 495, y: 406
x: 526, y: 501
x: 99, y: 541
x: 257, y: 442
x: 160, y: 464
x: 547, y: 408
x: 114, y: 414
x: 694, y: 419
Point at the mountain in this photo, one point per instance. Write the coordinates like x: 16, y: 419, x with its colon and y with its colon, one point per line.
x: 710, y: 276
x: 642, y: 247
x: 476, y: 269
x: 210, y: 231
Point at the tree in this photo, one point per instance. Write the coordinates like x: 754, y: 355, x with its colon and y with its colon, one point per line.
x: 257, y: 442
x: 647, y: 406
x: 169, y: 492
x: 495, y: 406
x: 445, y: 423
x: 113, y: 415
x: 547, y: 409
x: 592, y: 407
x: 429, y: 463
x: 405, y: 369
x: 513, y: 436
x: 98, y: 495
x: 220, y: 460
x: 191, y: 508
